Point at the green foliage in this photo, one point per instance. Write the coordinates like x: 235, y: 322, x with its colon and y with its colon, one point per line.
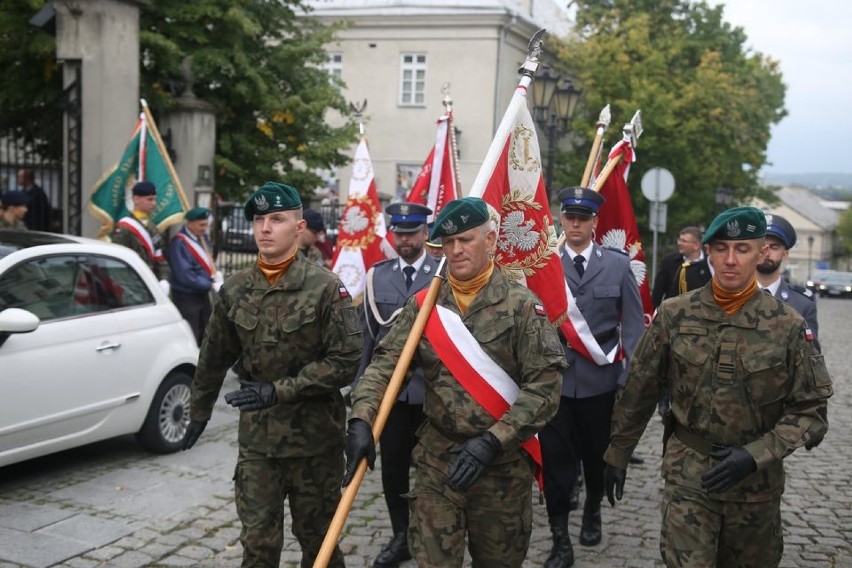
x: 844, y: 231
x: 30, y: 95
x: 258, y: 65
x: 707, y: 102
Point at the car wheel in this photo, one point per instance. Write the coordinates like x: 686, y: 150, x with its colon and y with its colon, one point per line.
x: 165, y: 426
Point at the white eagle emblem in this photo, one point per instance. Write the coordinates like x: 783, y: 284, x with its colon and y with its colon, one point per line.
x: 517, y: 233
x: 733, y: 228
x: 354, y: 220
x: 261, y: 203
x: 617, y: 238
x: 449, y: 226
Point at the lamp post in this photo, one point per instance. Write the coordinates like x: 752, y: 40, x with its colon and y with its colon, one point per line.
x: 554, y: 101
x: 810, y: 249
x: 724, y: 198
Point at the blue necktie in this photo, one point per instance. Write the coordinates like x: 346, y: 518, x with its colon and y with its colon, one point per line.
x: 578, y: 262
x: 409, y: 276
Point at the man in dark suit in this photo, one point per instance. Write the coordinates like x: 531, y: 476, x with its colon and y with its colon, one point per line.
x: 685, y: 270
x: 780, y: 238
x: 607, y: 315
x: 389, y: 285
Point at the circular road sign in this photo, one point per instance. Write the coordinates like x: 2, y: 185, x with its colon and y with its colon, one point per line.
x: 658, y: 184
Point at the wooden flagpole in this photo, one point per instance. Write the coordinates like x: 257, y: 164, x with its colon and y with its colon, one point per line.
x: 595, y: 153
x: 389, y: 399
x: 632, y: 130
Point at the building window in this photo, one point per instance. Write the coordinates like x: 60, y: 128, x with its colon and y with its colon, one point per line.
x: 334, y: 65
x: 412, y: 83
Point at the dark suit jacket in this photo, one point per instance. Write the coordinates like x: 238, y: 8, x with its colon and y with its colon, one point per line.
x: 667, y: 277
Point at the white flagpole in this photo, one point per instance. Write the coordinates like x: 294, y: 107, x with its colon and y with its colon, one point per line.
x: 519, y: 98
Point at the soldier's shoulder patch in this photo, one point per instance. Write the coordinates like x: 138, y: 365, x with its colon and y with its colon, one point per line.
x: 809, y: 334
x: 350, y: 320
x: 344, y: 293
x: 539, y: 309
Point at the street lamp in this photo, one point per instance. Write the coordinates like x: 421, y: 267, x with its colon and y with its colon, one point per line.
x: 724, y: 198
x: 554, y: 101
x: 810, y: 248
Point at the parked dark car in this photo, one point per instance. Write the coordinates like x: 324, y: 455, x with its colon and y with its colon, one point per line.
x: 816, y: 279
x: 837, y: 284
x: 237, y: 232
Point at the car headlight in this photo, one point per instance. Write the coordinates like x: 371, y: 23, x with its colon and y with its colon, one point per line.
x: 809, y: 283
x: 822, y: 286
x: 849, y: 288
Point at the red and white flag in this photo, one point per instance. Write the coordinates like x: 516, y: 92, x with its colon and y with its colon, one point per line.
x: 436, y: 183
x: 513, y: 185
x: 617, y: 222
x: 362, y: 235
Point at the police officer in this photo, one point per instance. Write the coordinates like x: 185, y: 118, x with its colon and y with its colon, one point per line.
x: 138, y: 231
x: 14, y: 209
x: 389, y: 284
x: 748, y: 388
x: 193, y: 271
x: 780, y: 238
x: 607, y: 299
x: 289, y: 330
x: 472, y: 474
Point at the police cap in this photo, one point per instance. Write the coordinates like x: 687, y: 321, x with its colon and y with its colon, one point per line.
x: 581, y: 201
x: 779, y: 227
x: 407, y: 217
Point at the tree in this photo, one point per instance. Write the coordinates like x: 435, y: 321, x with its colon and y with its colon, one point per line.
x: 31, y: 91
x: 707, y: 102
x: 259, y: 64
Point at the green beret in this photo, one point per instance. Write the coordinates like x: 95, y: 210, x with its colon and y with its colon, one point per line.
x: 736, y: 224
x: 197, y: 213
x: 270, y: 197
x: 458, y: 216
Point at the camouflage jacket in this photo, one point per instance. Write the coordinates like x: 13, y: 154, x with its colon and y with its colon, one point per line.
x: 301, y: 334
x: 160, y: 267
x: 753, y: 380
x: 504, y: 320
x: 16, y: 225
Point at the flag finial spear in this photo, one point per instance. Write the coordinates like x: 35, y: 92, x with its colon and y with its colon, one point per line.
x: 358, y: 111
x: 447, y: 100
x: 604, y: 118
x: 633, y: 129
x: 533, y: 51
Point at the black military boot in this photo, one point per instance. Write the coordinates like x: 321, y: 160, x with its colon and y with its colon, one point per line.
x: 562, y: 553
x: 397, y: 549
x: 590, y: 531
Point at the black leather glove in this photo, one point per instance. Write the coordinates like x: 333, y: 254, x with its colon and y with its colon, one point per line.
x: 193, y: 432
x: 614, y: 478
x: 359, y: 444
x: 252, y: 396
x: 736, y: 465
x: 474, y: 456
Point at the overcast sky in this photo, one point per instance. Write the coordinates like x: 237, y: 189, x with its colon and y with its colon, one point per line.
x: 813, y: 42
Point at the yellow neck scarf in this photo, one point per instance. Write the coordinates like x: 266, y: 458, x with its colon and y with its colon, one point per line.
x: 464, y: 291
x: 273, y: 272
x: 731, y: 302
x: 141, y: 217
x: 681, y: 281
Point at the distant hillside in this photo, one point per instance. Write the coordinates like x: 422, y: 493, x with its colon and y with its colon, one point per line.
x: 810, y: 180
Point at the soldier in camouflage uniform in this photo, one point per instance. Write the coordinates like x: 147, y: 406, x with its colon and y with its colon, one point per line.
x: 137, y: 231
x: 290, y: 331
x: 748, y: 387
x: 314, y: 226
x: 14, y: 209
x: 472, y: 477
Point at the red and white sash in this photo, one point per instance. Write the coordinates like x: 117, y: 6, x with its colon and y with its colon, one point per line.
x: 579, y: 336
x: 473, y: 368
x: 142, y: 235
x: 197, y: 252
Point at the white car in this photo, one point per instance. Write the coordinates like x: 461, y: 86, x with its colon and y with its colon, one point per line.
x: 90, y: 348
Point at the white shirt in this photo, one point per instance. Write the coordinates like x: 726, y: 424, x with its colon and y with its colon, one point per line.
x: 587, y: 254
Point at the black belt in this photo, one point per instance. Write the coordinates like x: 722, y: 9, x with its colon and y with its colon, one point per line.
x: 607, y: 335
x: 696, y: 442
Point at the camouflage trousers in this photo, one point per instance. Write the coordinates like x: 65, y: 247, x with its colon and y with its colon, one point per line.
x: 495, y: 514
x: 261, y: 484
x: 701, y: 532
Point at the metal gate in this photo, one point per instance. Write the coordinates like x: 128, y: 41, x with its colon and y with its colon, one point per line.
x: 55, y: 163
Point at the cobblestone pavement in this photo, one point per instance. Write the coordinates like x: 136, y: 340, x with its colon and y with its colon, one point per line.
x: 110, y: 504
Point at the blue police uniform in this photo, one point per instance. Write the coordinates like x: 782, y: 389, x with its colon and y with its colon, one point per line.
x: 384, y: 297
x: 607, y: 296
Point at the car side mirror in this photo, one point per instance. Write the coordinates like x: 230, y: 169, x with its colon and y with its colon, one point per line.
x: 16, y: 320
